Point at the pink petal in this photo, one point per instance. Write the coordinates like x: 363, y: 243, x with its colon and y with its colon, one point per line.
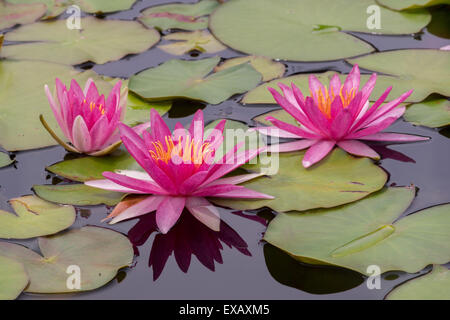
x: 352, y: 80
x: 358, y: 149
x: 98, y: 131
x: 291, y: 146
x: 57, y: 112
x: 213, y: 190
x: 133, y: 183
x: 299, y: 132
x: 168, y: 212
x: 315, y: 86
x: 106, y: 184
x: 140, y: 128
x: 316, y: 117
x: 141, y: 175
x: 317, y: 152
x: 190, y: 184
x: 335, y: 85
x: 142, y: 207
x: 244, y: 193
x: 236, y: 179
x: 197, y: 126
x: 90, y: 91
x: 275, y: 132
x: 81, y: 136
x: 341, y: 124
x: 388, y: 136
x: 159, y: 128
x: 372, y: 129
x: 160, y: 177
x: 368, y: 87
x: 204, y: 211
x: 215, y: 137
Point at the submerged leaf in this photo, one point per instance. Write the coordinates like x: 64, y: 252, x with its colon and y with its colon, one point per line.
x: 13, y: 278
x: 98, y: 253
x: 268, y: 68
x: 34, y: 218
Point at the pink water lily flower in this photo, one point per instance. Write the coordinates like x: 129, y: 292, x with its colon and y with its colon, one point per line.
x: 180, y: 171
x: 338, y: 115
x: 87, y: 119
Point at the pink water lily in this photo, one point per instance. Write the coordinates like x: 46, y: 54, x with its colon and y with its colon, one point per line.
x: 338, y: 115
x: 87, y: 119
x: 180, y: 171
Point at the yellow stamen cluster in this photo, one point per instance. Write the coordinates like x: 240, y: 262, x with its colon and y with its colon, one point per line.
x: 187, y: 150
x: 93, y: 106
x: 325, y: 99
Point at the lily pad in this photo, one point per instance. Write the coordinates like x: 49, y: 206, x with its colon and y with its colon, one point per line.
x: 13, y: 279
x: 52, y: 41
x: 411, y: 4
x: 56, y: 7
x: 98, y: 253
x: 179, y: 16
x: 5, y: 160
x: 200, y: 40
x: 432, y: 286
x: 78, y: 195
x: 338, y: 179
x: 14, y: 14
x: 268, y: 68
x: 34, y: 218
x: 366, y: 233
x: 189, y: 79
x: 138, y: 110
x: 306, y: 30
x: 433, y: 113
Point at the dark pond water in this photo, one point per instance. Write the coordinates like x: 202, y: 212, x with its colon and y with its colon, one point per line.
x: 250, y: 269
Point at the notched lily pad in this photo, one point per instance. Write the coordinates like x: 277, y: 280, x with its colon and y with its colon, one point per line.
x: 190, y: 79
x: 268, y: 68
x: 95, y: 254
x: 12, y: 14
x: 13, y: 278
x: 184, y: 42
x: 338, y: 179
x: 77, y: 194
x: 367, y: 232
x: 432, y: 286
x: 34, y: 218
x: 179, y: 15
x: 52, y: 41
x: 432, y: 113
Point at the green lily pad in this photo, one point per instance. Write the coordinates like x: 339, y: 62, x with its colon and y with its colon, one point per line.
x: 56, y: 7
x: 189, y: 79
x: 52, y: 41
x: 78, y: 195
x: 268, y: 68
x: 13, y: 279
x: 200, y: 40
x: 138, y: 110
x: 34, y: 218
x: 338, y: 179
x: 179, y: 16
x: 13, y: 14
x: 432, y: 286
x: 411, y: 4
x: 432, y: 113
x: 305, y: 30
x: 99, y: 253
x: 5, y: 160
x: 364, y: 233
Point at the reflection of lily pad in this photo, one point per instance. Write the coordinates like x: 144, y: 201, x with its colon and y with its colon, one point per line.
x: 432, y: 286
x: 12, y: 14
x: 439, y: 22
x: 200, y: 40
x: 305, y: 30
x: 98, y: 253
x: 411, y: 4
x: 13, y: 278
x: 432, y: 113
x: 364, y: 233
x: 268, y: 68
x: 34, y: 218
x: 179, y: 15
x: 338, y: 179
x: 54, y: 42
x: 5, y: 160
x: 189, y: 79
x: 78, y: 194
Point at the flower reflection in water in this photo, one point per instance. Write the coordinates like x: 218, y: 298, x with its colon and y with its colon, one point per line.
x: 187, y: 238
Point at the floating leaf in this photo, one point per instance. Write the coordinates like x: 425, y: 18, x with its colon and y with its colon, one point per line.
x: 305, y: 30
x: 200, y: 40
x: 56, y: 7
x: 411, y: 4
x: 138, y: 110
x: 179, y: 16
x: 189, y: 79
x: 338, y: 179
x: 13, y: 279
x: 432, y: 286
x: 268, y: 68
x: 432, y: 113
x: 34, y: 218
x: 78, y: 195
x: 5, y: 160
x: 364, y: 233
x: 13, y: 14
x: 99, y: 253
x: 52, y: 41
